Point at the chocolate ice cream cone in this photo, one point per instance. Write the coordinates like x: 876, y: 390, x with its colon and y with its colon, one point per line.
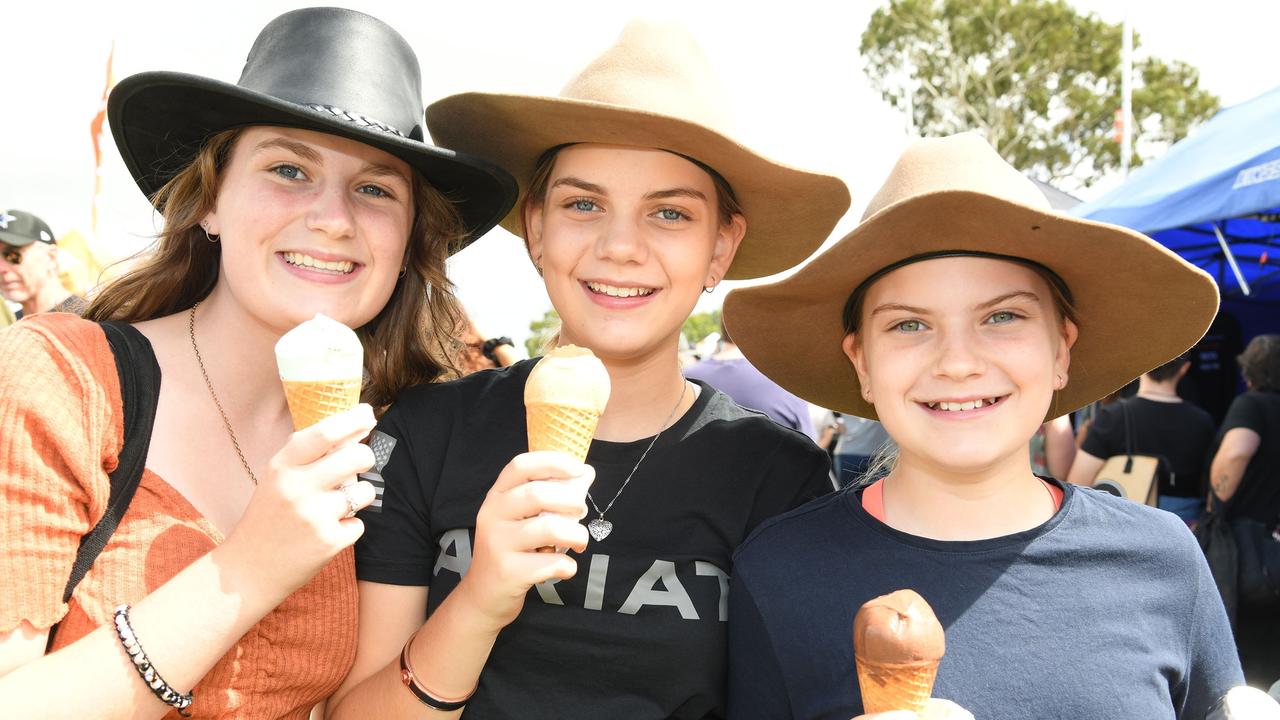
x: 895, y: 686
x: 897, y: 646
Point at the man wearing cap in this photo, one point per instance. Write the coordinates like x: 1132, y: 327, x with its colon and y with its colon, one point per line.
x: 29, y: 266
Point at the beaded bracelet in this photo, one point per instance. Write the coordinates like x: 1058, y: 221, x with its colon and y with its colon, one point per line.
x: 142, y: 664
x: 411, y: 681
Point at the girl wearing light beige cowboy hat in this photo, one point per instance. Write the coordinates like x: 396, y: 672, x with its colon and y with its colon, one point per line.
x: 962, y: 313
x: 227, y: 588
x: 634, y: 201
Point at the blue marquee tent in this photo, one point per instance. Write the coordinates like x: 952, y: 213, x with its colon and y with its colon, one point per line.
x: 1214, y: 199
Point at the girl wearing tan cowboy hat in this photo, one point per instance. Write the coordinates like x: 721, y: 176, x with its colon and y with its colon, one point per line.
x: 961, y: 313
x: 228, y: 587
x: 634, y: 201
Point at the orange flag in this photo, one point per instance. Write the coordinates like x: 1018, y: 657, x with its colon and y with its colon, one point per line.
x: 95, y: 130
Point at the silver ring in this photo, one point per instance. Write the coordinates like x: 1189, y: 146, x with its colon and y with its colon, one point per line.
x: 351, y: 504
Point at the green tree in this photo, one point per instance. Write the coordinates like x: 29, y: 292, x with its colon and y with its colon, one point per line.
x: 700, y: 325
x: 1040, y: 80
x: 541, y: 331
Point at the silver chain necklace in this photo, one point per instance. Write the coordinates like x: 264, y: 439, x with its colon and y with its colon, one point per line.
x: 599, y: 527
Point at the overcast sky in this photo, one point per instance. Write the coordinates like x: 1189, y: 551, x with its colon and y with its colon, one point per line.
x: 791, y: 68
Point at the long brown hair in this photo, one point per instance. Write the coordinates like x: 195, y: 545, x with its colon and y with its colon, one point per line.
x: 410, y: 341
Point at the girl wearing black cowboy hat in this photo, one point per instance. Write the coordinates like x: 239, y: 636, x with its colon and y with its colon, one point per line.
x: 304, y: 188
x: 635, y: 202
x: 961, y: 314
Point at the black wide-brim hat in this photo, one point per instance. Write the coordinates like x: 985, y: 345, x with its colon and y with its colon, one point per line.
x: 330, y: 70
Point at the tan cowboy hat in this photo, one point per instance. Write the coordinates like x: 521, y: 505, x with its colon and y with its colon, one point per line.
x: 653, y: 89
x: 1138, y: 304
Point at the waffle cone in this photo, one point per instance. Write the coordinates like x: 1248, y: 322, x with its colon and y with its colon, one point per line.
x: 312, y: 401
x: 897, y: 686
x: 561, y: 427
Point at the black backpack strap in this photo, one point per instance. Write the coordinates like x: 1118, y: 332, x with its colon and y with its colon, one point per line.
x: 139, y: 391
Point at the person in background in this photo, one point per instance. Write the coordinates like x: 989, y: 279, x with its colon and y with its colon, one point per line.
x: 1245, y: 477
x: 1163, y: 425
x: 732, y: 374
x: 827, y: 423
x: 860, y: 442
x: 29, y: 267
x: 476, y: 353
x: 1053, y: 448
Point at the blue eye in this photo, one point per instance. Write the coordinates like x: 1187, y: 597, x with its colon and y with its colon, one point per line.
x: 291, y: 172
x: 671, y: 215
x: 375, y: 191
x: 583, y: 205
x: 909, y: 326
x: 1002, y: 317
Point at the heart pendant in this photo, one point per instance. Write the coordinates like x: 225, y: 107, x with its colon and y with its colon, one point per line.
x: 599, y: 528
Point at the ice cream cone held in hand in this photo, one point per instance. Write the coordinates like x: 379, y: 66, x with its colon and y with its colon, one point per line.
x: 564, y: 397
x: 897, y: 645
x: 321, y: 365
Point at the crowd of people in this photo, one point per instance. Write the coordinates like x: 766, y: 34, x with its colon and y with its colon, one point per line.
x: 174, y: 545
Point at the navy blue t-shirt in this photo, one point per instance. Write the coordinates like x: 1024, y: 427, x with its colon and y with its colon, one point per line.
x: 1107, y: 610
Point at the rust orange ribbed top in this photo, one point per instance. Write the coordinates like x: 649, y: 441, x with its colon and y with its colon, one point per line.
x: 61, y: 427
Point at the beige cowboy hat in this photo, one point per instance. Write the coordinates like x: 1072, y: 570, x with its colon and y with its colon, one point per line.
x: 655, y: 89
x: 1138, y: 304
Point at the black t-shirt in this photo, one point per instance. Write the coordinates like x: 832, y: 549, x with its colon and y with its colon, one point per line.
x: 640, y: 632
x: 1258, y: 496
x: 1180, y: 433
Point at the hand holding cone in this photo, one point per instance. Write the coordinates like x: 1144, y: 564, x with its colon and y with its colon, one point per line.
x: 897, y: 646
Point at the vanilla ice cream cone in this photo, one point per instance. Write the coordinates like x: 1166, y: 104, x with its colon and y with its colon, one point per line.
x: 321, y: 365
x: 311, y: 402
x: 564, y: 398
x: 563, y: 428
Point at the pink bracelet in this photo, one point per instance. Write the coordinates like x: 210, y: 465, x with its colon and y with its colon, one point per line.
x: 411, y: 681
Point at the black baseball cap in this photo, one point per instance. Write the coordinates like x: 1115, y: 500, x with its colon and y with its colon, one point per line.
x: 19, y: 229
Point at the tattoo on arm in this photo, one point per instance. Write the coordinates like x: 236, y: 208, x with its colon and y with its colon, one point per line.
x: 1221, y: 485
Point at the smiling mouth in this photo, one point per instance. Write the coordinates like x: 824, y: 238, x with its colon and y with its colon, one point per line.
x: 619, y: 292
x: 963, y: 406
x: 336, y: 267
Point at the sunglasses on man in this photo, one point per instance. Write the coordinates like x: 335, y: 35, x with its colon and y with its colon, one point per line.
x: 11, y: 254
